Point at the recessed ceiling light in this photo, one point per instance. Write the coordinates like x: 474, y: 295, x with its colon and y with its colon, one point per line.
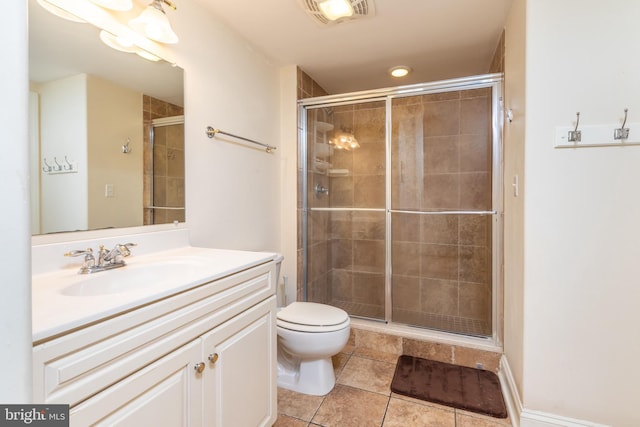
x: 399, y: 71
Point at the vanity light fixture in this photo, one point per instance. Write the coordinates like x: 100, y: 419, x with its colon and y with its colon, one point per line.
x: 400, y: 71
x: 118, y: 42
x: 120, y: 5
x: 146, y: 55
x: 59, y: 12
x: 344, y: 139
x: 335, y: 9
x: 153, y: 23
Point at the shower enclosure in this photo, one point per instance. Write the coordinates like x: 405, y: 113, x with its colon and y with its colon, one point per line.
x: 164, y: 171
x: 404, y: 225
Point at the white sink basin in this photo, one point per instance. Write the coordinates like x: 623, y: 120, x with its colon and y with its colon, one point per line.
x: 134, y: 277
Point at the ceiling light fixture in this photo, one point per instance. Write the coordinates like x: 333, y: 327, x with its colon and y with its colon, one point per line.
x: 400, y: 71
x: 153, y: 23
x: 121, y: 5
x: 335, y: 9
x: 344, y: 139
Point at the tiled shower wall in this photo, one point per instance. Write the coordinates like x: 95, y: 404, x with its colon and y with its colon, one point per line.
x: 167, y: 174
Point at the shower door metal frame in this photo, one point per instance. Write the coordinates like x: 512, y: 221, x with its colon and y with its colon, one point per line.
x: 156, y: 123
x: 495, y: 82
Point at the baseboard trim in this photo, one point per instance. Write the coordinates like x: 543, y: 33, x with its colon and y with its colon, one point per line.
x: 521, y: 417
x: 510, y: 392
x: 530, y: 418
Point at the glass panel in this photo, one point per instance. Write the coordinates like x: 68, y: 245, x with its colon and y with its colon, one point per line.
x: 346, y: 246
x: 441, y: 156
x: 442, y: 274
x: 164, y: 175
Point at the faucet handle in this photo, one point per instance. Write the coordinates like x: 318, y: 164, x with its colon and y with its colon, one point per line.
x: 87, y: 252
x: 125, y: 248
x: 89, y: 259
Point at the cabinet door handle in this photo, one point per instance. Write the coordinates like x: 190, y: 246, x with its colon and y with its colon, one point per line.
x: 213, y: 358
x: 199, y: 367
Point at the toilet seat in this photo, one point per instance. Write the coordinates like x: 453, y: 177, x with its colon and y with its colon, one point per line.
x: 312, y: 317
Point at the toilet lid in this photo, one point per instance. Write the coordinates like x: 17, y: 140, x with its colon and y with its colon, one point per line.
x: 312, y: 314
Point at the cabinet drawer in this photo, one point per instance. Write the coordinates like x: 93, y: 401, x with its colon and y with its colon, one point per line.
x: 75, y: 366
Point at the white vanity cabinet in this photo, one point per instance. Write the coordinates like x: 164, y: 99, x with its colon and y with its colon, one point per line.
x: 203, y: 357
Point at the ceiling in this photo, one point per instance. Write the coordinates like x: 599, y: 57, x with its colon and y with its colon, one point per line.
x: 438, y: 39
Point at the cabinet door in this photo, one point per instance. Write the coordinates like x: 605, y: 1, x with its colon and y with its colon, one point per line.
x: 240, y: 380
x: 167, y: 392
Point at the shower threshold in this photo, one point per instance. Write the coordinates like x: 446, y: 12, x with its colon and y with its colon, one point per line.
x: 438, y: 322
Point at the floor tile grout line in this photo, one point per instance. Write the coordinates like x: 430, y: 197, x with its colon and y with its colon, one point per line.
x: 386, y: 409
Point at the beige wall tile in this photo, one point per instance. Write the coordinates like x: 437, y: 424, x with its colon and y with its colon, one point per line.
x: 368, y: 191
x: 368, y: 288
x: 442, y: 154
x: 428, y: 350
x: 441, y: 191
x: 439, y: 229
x: 439, y: 261
x: 369, y: 256
x: 368, y: 225
x: 471, y: 357
x: 406, y: 293
x: 405, y: 258
x: 442, y: 118
x: 378, y: 341
x: 439, y: 296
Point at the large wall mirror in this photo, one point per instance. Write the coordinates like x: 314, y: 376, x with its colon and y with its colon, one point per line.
x: 106, y: 131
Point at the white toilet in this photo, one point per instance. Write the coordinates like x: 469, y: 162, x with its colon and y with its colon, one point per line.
x: 308, y: 335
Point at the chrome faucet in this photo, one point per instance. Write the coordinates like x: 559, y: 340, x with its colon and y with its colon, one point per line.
x: 106, y: 259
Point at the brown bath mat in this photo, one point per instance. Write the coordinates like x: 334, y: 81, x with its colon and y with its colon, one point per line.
x: 465, y: 388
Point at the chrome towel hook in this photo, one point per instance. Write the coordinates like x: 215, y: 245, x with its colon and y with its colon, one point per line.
x: 622, y: 133
x: 47, y: 167
x: 575, y: 135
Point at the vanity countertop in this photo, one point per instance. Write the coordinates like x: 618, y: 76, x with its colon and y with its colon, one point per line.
x: 62, y: 302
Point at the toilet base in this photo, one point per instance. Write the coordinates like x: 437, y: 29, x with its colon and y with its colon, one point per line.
x: 315, y: 377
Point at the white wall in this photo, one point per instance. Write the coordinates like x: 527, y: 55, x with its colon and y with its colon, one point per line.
x: 514, y: 92
x: 114, y: 114
x: 289, y: 178
x: 582, y: 235
x: 15, y: 272
x: 63, y: 132
x: 232, y: 189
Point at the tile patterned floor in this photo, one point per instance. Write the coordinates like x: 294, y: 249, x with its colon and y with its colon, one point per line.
x: 362, y: 398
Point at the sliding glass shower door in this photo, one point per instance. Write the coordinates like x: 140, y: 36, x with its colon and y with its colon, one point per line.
x: 346, y: 208
x: 441, y: 210
x: 402, y: 225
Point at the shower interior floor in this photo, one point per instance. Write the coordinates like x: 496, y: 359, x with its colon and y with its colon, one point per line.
x: 440, y: 322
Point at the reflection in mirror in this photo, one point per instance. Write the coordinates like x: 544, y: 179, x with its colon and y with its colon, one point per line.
x: 103, y: 153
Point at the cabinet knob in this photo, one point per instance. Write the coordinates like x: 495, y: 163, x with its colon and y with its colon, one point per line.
x: 199, y: 367
x: 213, y: 357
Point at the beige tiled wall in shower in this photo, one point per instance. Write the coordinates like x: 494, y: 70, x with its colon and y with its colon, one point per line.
x: 168, y: 161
